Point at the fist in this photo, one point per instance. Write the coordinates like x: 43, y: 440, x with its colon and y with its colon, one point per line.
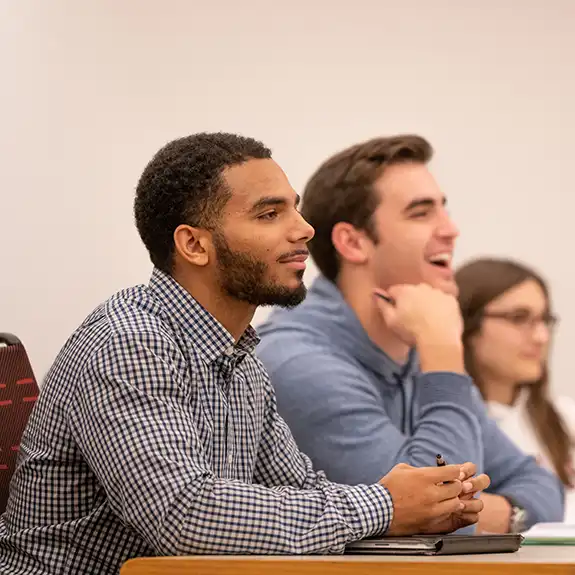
x: 421, y: 312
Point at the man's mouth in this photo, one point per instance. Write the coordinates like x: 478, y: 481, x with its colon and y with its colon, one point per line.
x: 297, y: 256
x: 442, y: 260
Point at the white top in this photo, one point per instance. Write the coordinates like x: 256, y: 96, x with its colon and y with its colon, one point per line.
x: 514, y: 422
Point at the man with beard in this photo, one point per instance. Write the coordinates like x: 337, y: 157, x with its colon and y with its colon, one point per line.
x: 156, y: 431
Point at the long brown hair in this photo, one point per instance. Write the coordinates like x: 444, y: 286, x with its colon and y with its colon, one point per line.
x: 480, y: 282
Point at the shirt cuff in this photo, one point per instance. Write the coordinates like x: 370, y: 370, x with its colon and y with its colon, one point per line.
x: 374, y: 509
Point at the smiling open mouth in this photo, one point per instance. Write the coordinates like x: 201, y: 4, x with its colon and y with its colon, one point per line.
x: 442, y: 260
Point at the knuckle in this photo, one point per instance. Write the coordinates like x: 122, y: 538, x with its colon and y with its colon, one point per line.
x: 455, y: 505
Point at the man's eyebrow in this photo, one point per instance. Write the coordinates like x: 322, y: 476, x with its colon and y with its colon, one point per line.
x: 268, y: 201
x: 423, y: 203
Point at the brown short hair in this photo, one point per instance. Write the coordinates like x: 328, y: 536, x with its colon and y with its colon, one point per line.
x: 341, y: 190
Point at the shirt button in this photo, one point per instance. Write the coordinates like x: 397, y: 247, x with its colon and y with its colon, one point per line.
x: 229, y: 351
x: 230, y: 459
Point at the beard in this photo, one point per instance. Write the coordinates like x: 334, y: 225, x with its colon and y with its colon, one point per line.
x: 243, y: 277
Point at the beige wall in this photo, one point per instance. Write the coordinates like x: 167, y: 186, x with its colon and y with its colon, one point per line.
x: 91, y: 88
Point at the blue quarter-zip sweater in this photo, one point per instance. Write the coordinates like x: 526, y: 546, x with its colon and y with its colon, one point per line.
x: 357, y: 413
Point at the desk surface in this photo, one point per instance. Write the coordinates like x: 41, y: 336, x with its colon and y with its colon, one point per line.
x: 530, y: 560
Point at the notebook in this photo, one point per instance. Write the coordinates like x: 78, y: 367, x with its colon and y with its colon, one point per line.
x: 550, y: 534
x: 437, y: 545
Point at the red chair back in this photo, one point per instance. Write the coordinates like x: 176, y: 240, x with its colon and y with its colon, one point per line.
x: 18, y: 392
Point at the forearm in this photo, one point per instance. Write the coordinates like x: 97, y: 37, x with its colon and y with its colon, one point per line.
x: 519, y: 478
x: 437, y: 355
x: 217, y: 516
x: 445, y: 422
x: 281, y: 464
x: 537, y: 491
x: 496, y: 514
x: 355, y: 437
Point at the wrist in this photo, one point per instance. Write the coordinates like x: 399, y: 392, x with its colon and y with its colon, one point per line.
x: 518, y: 516
x: 440, y: 354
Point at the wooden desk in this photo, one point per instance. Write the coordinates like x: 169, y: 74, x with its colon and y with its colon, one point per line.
x: 527, y: 561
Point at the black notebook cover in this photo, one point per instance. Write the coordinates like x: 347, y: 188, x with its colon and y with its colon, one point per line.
x: 437, y: 545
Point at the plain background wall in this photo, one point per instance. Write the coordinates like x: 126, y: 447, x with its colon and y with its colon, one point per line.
x: 91, y: 89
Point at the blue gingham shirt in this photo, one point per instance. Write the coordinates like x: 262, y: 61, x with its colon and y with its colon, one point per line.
x: 156, y: 434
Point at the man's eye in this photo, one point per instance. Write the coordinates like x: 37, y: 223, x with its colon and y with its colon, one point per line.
x: 268, y: 215
x: 419, y: 214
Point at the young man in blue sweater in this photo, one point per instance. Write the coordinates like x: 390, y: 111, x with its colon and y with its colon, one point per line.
x: 365, y: 384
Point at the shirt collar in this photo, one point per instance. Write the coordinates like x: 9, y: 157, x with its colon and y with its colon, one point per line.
x: 208, y: 335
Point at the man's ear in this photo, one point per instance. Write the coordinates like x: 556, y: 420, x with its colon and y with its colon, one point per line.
x: 351, y: 244
x: 193, y: 244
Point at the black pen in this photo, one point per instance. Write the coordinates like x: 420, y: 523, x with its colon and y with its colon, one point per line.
x: 387, y: 298
x: 441, y: 463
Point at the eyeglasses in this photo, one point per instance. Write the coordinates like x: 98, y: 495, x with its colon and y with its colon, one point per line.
x: 523, y: 319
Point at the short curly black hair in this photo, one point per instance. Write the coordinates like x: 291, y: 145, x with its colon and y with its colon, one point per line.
x: 182, y: 184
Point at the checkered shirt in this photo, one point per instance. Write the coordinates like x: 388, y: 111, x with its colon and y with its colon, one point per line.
x: 156, y: 434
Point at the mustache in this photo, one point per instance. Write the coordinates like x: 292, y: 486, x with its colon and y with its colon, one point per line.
x: 295, y: 253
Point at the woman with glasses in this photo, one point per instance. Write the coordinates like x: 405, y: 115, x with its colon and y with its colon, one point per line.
x: 508, y: 323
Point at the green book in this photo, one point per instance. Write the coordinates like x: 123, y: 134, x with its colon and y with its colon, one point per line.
x: 550, y: 534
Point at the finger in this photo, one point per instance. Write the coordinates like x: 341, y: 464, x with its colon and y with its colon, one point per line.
x: 468, y: 470
x: 465, y: 519
x: 448, y: 490
x: 396, y: 290
x: 480, y: 483
x: 472, y: 506
x: 447, y: 507
x: 476, y: 484
x: 442, y: 474
x: 386, y: 297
